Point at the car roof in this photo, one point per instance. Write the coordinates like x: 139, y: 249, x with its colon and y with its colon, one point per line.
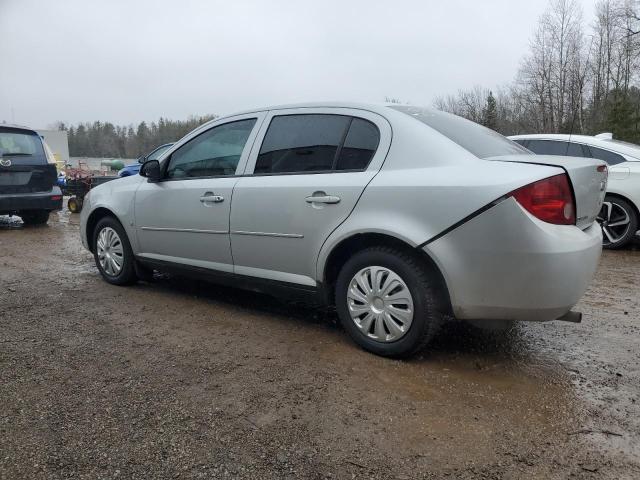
x: 17, y: 127
x: 372, y: 107
x: 607, y: 144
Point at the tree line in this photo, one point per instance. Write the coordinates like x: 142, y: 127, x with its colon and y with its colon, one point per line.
x: 575, y: 78
x: 104, y: 139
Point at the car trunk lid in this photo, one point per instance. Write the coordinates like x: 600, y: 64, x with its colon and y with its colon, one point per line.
x: 588, y: 178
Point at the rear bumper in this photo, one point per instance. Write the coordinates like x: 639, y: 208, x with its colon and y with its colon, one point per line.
x: 31, y: 201
x: 505, y: 264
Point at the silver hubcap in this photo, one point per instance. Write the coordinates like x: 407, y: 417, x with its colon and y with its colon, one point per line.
x: 615, y: 222
x: 110, y: 252
x: 380, y: 304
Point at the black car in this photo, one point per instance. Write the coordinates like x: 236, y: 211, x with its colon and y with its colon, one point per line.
x: 27, y: 176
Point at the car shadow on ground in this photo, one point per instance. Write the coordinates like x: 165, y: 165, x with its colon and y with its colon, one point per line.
x: 454, y: 337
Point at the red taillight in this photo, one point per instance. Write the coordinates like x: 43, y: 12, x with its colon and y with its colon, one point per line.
x: 550, y: 200
x: 56, y: 197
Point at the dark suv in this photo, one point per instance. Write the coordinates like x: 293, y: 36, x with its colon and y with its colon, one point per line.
x: 27, y: 176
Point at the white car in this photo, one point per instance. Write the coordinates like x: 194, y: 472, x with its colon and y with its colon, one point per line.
x: 621, y: 210
x: 398, y: 216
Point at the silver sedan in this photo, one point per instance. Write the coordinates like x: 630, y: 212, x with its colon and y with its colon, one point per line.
x: 400, y: 217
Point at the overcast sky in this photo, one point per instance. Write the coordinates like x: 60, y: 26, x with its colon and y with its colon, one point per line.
x: 127, y: 61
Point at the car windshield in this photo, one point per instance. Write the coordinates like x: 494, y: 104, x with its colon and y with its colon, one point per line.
x: 480, y: 141
x: 21, y: 147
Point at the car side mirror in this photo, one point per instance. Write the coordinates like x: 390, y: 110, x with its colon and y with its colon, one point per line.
x: 151, y: 170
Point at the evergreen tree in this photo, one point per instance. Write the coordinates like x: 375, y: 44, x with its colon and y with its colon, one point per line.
x: 621, y: 118
x: 104, y: 139
x: 491, y: 112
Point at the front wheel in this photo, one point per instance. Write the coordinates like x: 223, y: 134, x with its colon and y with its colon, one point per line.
x: 619, y: 222
x: 386, y: 301
x: 112, y: 252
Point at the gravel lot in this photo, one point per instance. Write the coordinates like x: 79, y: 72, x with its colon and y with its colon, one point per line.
x: 181, y: 379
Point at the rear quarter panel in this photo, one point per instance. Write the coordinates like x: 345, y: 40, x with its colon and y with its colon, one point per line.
x: 416, y: 204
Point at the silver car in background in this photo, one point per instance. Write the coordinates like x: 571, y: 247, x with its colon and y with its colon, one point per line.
x: 398, y: 216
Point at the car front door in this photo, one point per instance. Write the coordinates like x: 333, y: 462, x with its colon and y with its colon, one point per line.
x: 184, y: 218
x: 305, y: 174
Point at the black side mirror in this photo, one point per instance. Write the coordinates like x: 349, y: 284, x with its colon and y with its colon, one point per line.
x: 151, y: 170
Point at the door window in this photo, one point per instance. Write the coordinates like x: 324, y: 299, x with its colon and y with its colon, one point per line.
x: 316, y: 143
x: 213, y: 153
x: 359, y: 146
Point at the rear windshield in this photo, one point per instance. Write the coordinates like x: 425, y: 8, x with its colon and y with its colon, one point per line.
x: 479, y: 140
x: 21, y: 147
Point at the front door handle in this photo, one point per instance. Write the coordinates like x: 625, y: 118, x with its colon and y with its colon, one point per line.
x: 322, y: 199
x: 210, y: 197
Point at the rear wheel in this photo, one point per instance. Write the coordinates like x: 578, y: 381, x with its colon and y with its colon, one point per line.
x: 619, y: 222
x: 112, y: 252
x: 35, y: 217
x: 386, y: 302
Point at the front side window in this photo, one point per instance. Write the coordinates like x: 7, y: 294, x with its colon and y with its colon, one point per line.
x: 554, y: 147
x: 213, y: 153
x: 21, y: 147
x: 609, y: 157
x: 157, y: 153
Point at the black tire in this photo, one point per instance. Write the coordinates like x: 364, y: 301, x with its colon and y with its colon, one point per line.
x: 428, y: 313
x: 74, y: 204
x: 127, y: 273
x: 35, y: 217
x: 622, y: 237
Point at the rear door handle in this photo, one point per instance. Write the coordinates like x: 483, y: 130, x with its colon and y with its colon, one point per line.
x: 206, y: 198
x: 322, y: 199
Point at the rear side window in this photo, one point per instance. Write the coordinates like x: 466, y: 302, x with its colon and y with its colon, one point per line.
x: 609, y: 157
x: 316, y: 143
x: 21, y: 147
x: 554, y: 147
x: 359, y: 146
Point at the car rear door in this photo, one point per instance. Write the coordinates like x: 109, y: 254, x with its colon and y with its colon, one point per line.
x: 184, y: 218
x: 305, y: 175
x: 24, y: 167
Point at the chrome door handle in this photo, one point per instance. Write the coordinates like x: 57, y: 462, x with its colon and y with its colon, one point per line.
x: 212, y: 198
x: 323, y: 199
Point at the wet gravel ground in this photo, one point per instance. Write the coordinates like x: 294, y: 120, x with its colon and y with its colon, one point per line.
x: 181, y: 379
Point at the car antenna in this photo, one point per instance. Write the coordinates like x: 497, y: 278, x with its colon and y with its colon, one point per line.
x: 573, y: 121
x: 584, y: 74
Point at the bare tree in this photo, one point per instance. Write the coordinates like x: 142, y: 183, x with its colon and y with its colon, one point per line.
x: 469, y: 104
x: 569, y: 81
